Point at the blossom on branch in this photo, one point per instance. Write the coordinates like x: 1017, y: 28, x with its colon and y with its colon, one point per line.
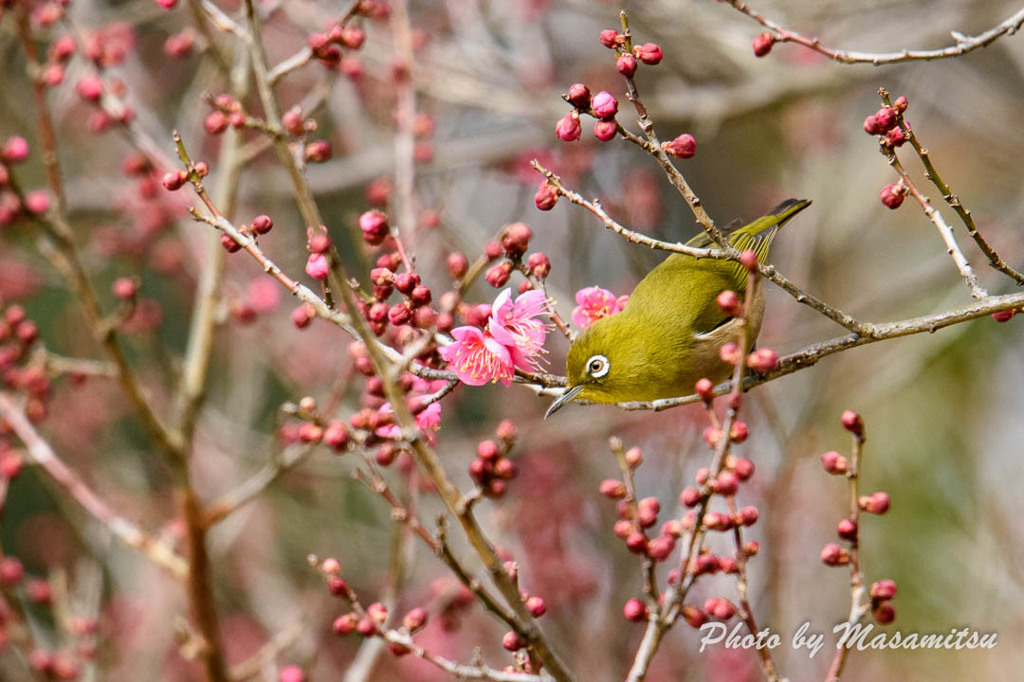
x: 593, y: 303
x: 512, y: 338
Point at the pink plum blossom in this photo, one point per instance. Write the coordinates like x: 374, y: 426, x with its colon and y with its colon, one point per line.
x: 478, y: 358
x: 514, y: 325
x: 427, y: 420
x: 593, y: 304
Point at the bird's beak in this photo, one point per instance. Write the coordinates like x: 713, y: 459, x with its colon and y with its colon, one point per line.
x: 567, y: 396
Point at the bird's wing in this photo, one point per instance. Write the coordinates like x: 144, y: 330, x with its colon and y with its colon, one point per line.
x: 681, y: 292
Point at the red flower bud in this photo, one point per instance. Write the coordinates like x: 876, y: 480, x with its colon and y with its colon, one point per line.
x: 883, y: 589
x: 871, y: 126
x: 89, y: 88
x: 613, y: 489
x: 605, y: 105
x: 626, y: 65
x: 763, y: 360
x: 876, y: 503
x: 730, y: 304
x: 605, y: 131
x: 125, y: 288
x: 568, y: 127
x: 705, y: 389
x: 847, y: 529
x: 763, y: 44
x: 747, y: 516
x: 834, y: 463
x: 892, y: 195
x: 174, y: 180
x: 318, y: 151
x: 215, y: 123
x: 900, y: 104
x: 374, y: 225
x: 37, y: 202
x: 852, y: 422
x: 730, y: 353
x: 15, y: 149
x: 498, y: 275
x: 886, y: 119
x: 884, y: 613
x: 1004, y: 315
x: 516, y: 239
x: 648, y: 53
x: 895, y: 137
x: 684, y: 146
x: 578, y: 96
x: 546, y: 196
x: 512, y: 641
x: 635, y: 611
x: 458, y: 264
x: 834, y: 555
x: 609, y: 38
x: 415, y: 620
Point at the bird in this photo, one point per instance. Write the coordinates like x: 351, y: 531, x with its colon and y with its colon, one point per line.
x: 670, y: 332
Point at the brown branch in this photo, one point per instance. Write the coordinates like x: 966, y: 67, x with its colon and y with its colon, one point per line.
x: 964, y: 44
x: 124, y: 530
x: 200, y: 589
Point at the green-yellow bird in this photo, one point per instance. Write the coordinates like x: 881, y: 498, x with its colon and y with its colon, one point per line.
x: 670, y: 332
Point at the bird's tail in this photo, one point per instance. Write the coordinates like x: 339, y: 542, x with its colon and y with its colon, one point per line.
x: 759, y: 234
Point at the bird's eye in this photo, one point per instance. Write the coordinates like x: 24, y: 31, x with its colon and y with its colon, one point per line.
x: 597, y: 366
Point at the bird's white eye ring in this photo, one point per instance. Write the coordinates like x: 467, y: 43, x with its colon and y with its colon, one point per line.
x: 597, y: 366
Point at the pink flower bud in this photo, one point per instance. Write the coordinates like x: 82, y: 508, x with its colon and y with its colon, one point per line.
x: 292, y: 121
x: 726, y: 483
x: 730, y: 304
x: 262, y: 224
x: 834, y: 463
x: 352, y: 37
x: 15, y: 149
x: 399, y: 314
x: 883, y: 589
x: 498, y: 275
x: 852, y: 422
x: 720, y: 609
x: 539, y: 265
x: 512, y: 641
x: 900, y: 104
x: 458, y: 264
x: 291, y: 673
x: 317, y: 266
x: 11, y: 572
x: 636, y: 542
x: 626, y: 65
x: 884, y: 613
x: 718, y: 522
x: 834, y: 555
x: 405, y: 282
x: 876, y: 503
x: 374, y: 225
x: 661, y: 548
x: 613, y: 489
x: 318, y: 151
x: 885, y: 118
x: 690, y: 497
x: 730, y: 353
x: 634, y: 457
x: 648, y: 53
x: 493, y: 250
x: 336, y: 435
x: 516, y: 239
x: 747, y: 516
x: 763, y: 44
x: 536, y: 606
x: 1004, y: 315
x: 89, y: 88
x: 174, y: 180
x: 705, y: 389
x: 605, y: 105
x: 578, y: 96
x: 748, y: 259
x: 605, y: 130
x: 125, y: 288
x: 892, y: 195
x: 694, y: 617
x: 895, y: 137
x: 684, y: 146
x: 742, y: 467
x: 52, y: 75
x: 215, y: 123
x: 546, y: 196
x: 609, y: 38
x: 302, y: 316
x: 739, y: 432
x: 635, y: 611
x: 763, y: 360
x: 415, y: 620
x: 229, y: 244
x: 847, y: 529
x: 568, y: 127
x: 37, y: 202
x: 345, y: 625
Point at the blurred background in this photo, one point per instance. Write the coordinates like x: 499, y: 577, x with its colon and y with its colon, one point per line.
x: 942, y: 411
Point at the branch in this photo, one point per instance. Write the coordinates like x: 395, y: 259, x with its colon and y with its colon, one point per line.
x: 124, y: 530
x: 963, y: 45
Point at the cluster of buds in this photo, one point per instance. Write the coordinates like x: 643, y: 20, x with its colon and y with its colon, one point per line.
x: 225, y: 111
x: 413, y: 311
x: 885, y: 123
x: 492, y: 469
x: 327, y: 47
x: 106, y: 47
x: 628, y: 60
x: 510, y: 248
x: 79, y: 631
x: 57, y: 56
x: 14, y: 151
x: 372, y: 620
x: 881, y: 593
x: 18, y: 371
x: 603, y: 106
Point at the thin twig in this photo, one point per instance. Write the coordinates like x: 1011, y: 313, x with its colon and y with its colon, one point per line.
x: 964, y: 44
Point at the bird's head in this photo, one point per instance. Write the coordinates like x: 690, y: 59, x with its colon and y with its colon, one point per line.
x: 598, y: 366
